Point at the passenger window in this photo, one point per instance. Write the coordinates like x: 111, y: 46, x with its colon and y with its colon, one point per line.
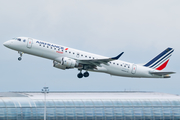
x: 109, y: 62
x: 89, y: 57
x: 51, y: 47
x: 85, y: 56
x: 43, y: 45
x: 93, y: 57
x: 58, y: 49
x: 113, y: 63
x: 117, y: 64
x: 54, y: 48
x: 47, y: 46
x: 82, y: 55
x: 69, y: 52
x: 19, y: 39
x: 65, y: 51
x: 39, y: 44
x: 62, y: 50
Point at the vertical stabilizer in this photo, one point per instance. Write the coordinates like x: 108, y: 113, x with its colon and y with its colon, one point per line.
x: 161, y: 60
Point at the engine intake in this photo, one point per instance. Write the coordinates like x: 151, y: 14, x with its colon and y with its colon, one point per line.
x: 58, y: 65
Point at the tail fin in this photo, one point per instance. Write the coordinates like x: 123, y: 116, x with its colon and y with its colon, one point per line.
x: 161, y: 60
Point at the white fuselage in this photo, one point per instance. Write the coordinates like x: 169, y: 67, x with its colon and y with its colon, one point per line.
x: 54, y: 52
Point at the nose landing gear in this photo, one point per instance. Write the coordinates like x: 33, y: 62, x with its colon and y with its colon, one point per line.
x: 20, y: 58
x: 85, y: 74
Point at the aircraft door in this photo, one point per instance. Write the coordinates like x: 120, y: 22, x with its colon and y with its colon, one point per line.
x: 29, y: 42
x: 134, y: 68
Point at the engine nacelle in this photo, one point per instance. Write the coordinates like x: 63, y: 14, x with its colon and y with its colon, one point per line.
x: 65, y: 63
x: 68, y: 62
x: 58, y: 65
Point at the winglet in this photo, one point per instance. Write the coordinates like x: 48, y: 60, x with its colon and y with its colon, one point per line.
x: 117, y: 57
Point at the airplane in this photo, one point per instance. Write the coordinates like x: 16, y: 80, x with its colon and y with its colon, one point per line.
x: 68, y: 58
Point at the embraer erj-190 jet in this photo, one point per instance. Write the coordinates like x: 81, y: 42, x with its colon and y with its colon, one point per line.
x: 68, y: 58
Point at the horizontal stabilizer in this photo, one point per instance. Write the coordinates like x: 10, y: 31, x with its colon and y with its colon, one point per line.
x: 162, y: 73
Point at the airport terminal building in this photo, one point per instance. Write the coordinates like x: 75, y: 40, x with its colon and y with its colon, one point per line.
x: 90, y: 106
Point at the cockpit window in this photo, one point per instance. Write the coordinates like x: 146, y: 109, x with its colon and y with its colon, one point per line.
x: 24, y: 40
x: 19, y: 39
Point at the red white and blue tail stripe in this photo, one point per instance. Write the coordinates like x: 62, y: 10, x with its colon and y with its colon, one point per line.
x: 160, y: 61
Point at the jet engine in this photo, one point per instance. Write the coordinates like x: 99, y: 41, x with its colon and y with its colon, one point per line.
x: 65, y: 63
x: 68, y: 62
x: 58, y: 65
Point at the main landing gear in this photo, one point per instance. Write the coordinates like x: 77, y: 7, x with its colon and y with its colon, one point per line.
x: 20, y: 58
x: 85, y: 74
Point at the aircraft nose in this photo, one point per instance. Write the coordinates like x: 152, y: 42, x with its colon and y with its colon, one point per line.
x: 7, y: 43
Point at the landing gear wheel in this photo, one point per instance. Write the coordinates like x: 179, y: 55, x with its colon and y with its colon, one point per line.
x: 80, y: 75
x: 86, y: 74
x: 19, y: 58
x: 20, y: 53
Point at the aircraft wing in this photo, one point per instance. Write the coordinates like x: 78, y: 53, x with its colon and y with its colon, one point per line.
x: 97, y: 62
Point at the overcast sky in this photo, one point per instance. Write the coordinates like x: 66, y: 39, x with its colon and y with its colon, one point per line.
x: 142, y: 29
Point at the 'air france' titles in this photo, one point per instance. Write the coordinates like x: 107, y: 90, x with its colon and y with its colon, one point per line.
x: 43, y: 43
